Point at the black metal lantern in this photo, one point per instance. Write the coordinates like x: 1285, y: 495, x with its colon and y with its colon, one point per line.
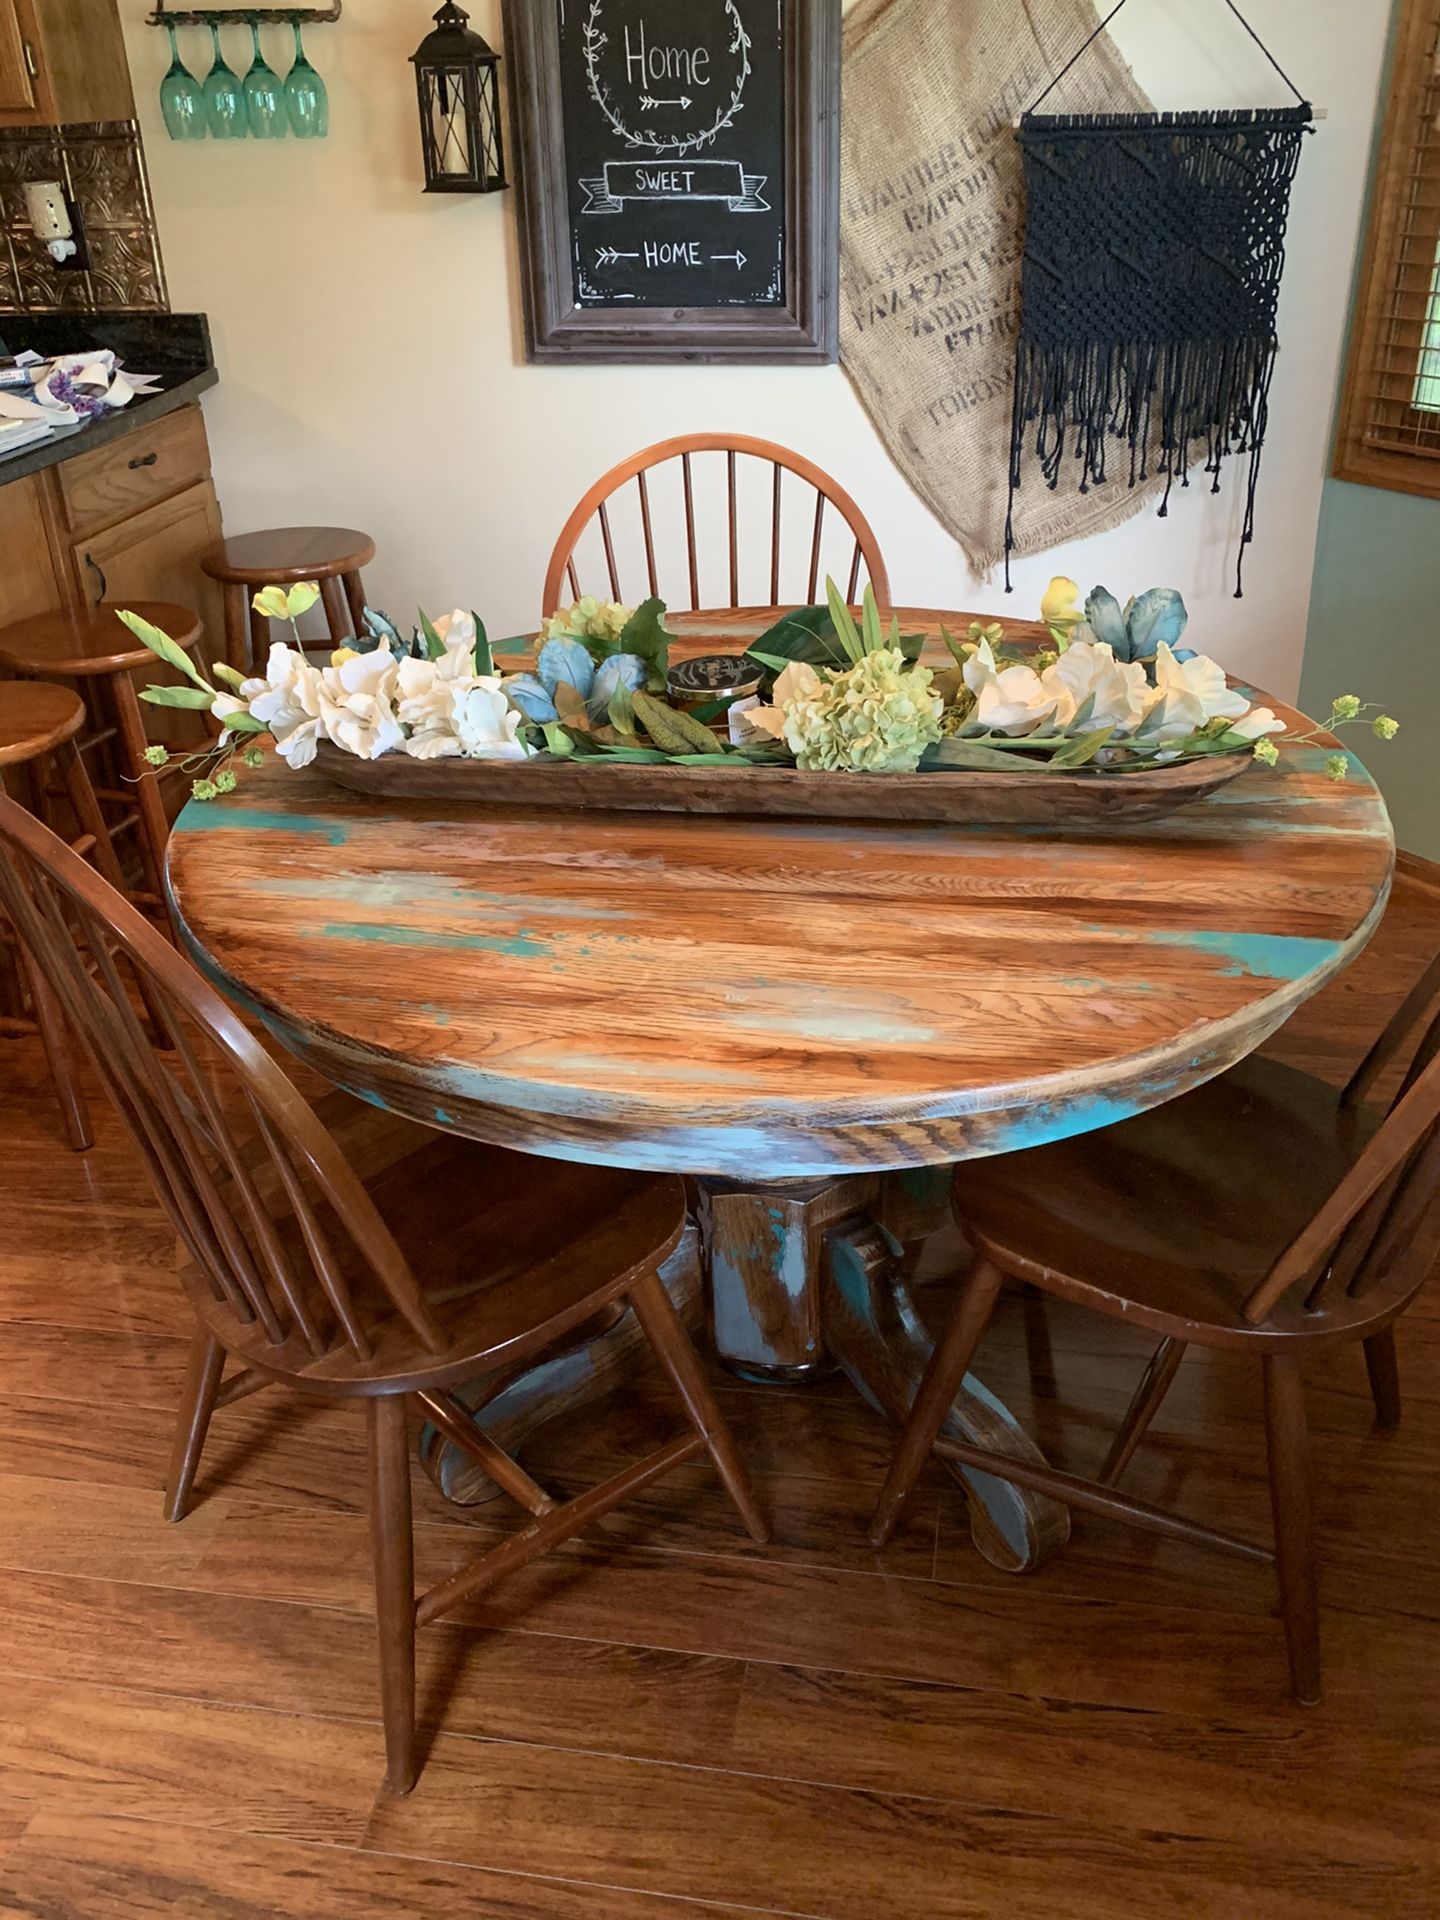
x: 458, y: 81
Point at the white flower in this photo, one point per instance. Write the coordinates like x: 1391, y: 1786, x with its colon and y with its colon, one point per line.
x: 287, y: 701
x: 795, y: 682
x: 486, y: 724
x: 1200, y: 677
x: 1088, y: 670
x: 1013, y: 700
x: 457, y: 632
x: 1257, y: 722
x: 355, y: 705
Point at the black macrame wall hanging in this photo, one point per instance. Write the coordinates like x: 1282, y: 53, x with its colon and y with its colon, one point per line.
x: 1154, y: 245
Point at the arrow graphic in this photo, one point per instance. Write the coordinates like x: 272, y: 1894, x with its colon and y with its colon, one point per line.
x: 647, y: 103
x: 737, y: 257
x: 607, y: 256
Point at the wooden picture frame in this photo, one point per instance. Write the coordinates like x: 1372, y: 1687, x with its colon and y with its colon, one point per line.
x: 798, y: 322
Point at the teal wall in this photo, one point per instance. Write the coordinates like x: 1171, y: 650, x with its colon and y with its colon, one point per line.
x: 1375, y: 630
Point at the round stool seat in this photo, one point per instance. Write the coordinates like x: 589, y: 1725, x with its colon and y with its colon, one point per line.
x: 91, y: 640
x: 35, y: 718
x: 284, y: 555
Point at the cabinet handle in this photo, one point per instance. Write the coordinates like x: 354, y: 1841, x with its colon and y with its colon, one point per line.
x: 145, y: 460
x: 99, y: 571
x: 32, y: 65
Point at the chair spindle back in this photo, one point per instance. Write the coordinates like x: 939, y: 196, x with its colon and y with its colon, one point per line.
x: 1379, y: 1232
x: 226, y: 1190
x: 596, y: 506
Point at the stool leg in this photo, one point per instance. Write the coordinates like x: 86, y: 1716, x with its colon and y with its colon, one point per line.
x: 154, y: 827
x: 336, y: 613
x: 260, y: 638
x: 86, y: 809
x: 237, y: 625
x: 355, y: 595
x: 59, y: 1055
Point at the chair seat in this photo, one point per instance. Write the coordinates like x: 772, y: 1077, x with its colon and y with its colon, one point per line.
x: 283, y: 555
x: 512, y: 1252
x: 91, y: 640
x: 1170, y: 1220
x: 35, y: 719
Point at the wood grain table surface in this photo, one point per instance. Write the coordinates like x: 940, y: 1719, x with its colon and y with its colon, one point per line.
x: 713, y: 995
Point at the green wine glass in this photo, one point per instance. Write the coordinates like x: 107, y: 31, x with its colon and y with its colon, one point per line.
x: 224, y: 97
x: 181, y: 101
x: 264, y: 102
x: 305, y: 96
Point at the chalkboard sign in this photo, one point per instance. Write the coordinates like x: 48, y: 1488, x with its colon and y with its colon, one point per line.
x: 679, y: 192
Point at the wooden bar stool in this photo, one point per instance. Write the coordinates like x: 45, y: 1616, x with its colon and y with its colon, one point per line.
x: 38, y: 724
x: 282, y: 557
x: 91, y: 646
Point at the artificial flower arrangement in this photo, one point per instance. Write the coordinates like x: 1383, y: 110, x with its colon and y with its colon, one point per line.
x: 1114, y: 693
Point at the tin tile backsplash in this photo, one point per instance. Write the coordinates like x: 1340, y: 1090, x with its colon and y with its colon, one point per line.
x: 102, y: 168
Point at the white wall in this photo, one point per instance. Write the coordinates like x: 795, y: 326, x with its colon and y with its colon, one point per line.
x: 373, y: 372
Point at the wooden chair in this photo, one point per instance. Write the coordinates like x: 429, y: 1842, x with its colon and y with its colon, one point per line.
x: 1261, y: 1214
x: 382, y: 1274
x: 828, y: 493
x: 38, y: 725
x: 282, y: 557
x: 89, y: 649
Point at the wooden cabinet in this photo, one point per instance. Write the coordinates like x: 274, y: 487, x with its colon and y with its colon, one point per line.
x: 62, y: 60
x: 154, y: 555
x: 29, y: 582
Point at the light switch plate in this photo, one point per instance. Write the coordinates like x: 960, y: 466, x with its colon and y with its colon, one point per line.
x: 49, y: 215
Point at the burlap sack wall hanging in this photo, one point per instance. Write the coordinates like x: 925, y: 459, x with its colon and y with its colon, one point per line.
x: 932, y: 208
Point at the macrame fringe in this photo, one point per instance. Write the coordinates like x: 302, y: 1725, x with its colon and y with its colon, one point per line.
x: 1166, y: 404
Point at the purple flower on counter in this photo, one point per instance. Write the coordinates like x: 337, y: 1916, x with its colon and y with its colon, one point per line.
x: 62, y: 387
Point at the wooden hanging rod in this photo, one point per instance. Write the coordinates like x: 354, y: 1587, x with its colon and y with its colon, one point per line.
x: 1316, y: 113
x: 243, y: 16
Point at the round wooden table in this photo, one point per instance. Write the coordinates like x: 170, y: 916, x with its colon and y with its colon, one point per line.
x: 814, y: 1020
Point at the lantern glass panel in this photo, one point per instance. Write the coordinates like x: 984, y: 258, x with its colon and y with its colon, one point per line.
x: 449, y: 117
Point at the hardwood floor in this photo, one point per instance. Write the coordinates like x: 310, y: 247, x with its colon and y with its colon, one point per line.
x: 665, y: 1720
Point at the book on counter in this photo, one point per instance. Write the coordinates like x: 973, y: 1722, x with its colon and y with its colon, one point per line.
x: 17, y: 434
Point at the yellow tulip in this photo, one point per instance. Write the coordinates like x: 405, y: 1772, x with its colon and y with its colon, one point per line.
x: 272, y: 603
x: 301, y: 598
x: 1057, y: 608
x: 341, y: 655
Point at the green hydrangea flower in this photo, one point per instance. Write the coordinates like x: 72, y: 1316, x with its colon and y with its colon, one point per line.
x: 1346, y: 706
x: 225, y: 781
x: 255, y: 757
x: 1384, y: 728
x: 156, y: 756
x: 1266, y: 752
x: 876, y: 717
x: 1337, y: 766
x: 203, y: 790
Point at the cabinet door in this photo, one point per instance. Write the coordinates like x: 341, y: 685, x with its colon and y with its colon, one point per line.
x: 17, y: 85
x: 28, y: 582
x: 155, y: 555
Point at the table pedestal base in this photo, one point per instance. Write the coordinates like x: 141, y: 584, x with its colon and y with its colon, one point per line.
x: 803, y: 1275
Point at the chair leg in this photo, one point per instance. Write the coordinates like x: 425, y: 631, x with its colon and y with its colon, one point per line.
x: 239, y: 632
x: 337, y: 614
x: 59, y: 1056
x: 202, y: 1383
x: 662, y: 1327
x: 1153, y: 1387
x: 393, y: 1547
x: 154, y: 827
x: 355, y: 597
x: 1289, y: 1448
x: 1383, y: 1366
x: 953, y: 1353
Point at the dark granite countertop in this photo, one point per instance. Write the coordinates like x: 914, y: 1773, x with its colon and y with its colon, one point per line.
x: 173, y: 346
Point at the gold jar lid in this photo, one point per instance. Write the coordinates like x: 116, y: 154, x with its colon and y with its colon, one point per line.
x: 713, y: 676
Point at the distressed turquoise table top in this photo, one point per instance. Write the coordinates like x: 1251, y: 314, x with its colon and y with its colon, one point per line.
x: 771, y: 997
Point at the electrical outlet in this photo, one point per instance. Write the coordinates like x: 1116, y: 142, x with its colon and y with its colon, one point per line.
x: 55, y: 220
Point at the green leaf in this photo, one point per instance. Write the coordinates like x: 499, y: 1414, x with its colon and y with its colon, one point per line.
x: 952, y: 755
x: 226, y: 675
x: 1079, y: 752
x: 244, y: 723
x: 484, y: 659
x: 776, y: 662
x: 805, y: 635
x: 957, y: 652
x: 434, y: 645
x: 161, y: 644
x: 651, y: 755
x: 843, y: 622
x: 872, y: 633
x: 558, y: 741
x: 198, y: 697
x: 644, y: 635
x: 622, y: 710
x: 703, y: 759
x: 571, y: 708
